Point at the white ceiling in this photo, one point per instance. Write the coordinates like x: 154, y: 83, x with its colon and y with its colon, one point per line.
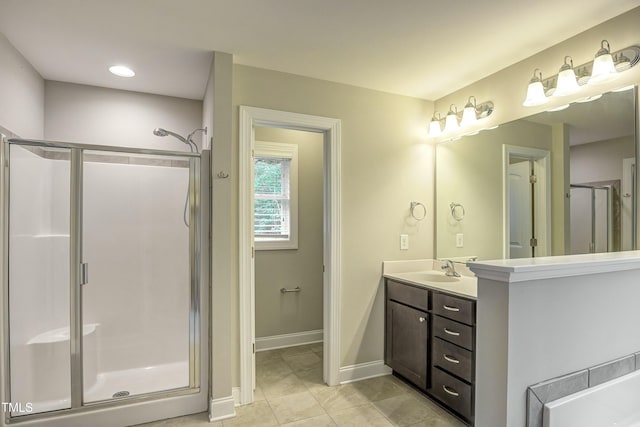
x: 420, y: 48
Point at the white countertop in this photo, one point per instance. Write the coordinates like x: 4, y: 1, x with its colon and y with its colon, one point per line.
x: 415, y: 271
x: 524, y: 269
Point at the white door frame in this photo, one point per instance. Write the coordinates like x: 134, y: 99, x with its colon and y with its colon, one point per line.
x: 249, y: 118
x: 627, y: 199
x: 542, y: 169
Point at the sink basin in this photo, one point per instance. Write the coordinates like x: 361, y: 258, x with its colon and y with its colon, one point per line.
x: 432, y: 277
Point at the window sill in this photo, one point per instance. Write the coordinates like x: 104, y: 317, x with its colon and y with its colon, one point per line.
x: 275, y: 245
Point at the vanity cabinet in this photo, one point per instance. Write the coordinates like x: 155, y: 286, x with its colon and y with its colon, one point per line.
x: 430, y: 341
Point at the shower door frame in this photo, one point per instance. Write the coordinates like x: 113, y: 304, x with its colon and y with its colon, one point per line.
x: 76, y: 151
x: 613, y: 227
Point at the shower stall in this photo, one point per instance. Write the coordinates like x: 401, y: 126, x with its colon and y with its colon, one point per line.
x: 102, y: 302
x: 595, y: 217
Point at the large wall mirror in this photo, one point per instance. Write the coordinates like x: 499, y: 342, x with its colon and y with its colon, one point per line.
x: 555, y: 183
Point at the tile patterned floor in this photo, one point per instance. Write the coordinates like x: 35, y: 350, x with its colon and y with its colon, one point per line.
x: 289, y: 392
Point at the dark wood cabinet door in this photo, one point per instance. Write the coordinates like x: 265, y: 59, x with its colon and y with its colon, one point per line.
x: 407, y: 332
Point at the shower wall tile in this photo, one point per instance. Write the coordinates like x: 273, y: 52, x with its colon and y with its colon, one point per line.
x: 550, y: 390
x: 150, y: 162
x: 64, y: 154
x: 547, y: 391
x: 556, y: 388
x: 180, y: 163
x: 610, y: 370
x: 105, y: 158
x: 534, y: 409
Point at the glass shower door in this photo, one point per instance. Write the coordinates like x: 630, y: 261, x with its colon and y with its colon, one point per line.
x: 100, y: 283
x: 591, y: 219
x: 38, y: 278
x: 137, y: 300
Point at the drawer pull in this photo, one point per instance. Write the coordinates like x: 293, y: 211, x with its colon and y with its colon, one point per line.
x: 449, y: 308
x: 421, y: 319
x: 450, y: 359
x: 450, y: 391
x: 450, y: 332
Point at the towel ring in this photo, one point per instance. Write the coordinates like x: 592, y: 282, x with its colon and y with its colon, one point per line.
x: 457, y: 211
x: 413, y: 207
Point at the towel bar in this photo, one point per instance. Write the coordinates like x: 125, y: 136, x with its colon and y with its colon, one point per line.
x: 285, y: 290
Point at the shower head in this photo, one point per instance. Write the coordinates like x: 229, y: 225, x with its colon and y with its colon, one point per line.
x: 164, y: 132
x: 190, y: 136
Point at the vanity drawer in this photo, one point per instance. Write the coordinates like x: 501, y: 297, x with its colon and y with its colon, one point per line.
x: 452, y: 331
x: 409, y: 295
x: 452, y: 392
x: 454, y: 308
x: 452, y: 358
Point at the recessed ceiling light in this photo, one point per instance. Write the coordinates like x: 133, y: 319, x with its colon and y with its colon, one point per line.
x: 122, y: 71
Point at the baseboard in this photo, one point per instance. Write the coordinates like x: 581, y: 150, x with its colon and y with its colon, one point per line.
x: 235, y: 392
x: 363, y: 371
x: 222, y: 408
x: 288, y: 340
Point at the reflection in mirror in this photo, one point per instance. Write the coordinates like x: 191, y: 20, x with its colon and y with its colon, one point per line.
x: 580, y: 199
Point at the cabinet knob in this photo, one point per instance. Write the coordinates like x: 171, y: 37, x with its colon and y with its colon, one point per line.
x: 421, y: 319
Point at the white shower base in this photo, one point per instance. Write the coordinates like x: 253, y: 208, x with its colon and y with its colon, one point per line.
x: 136, y: 381
x: 611, y: 404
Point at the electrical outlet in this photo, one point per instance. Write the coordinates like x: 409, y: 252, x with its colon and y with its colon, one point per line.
x: 404, y: 242
x: 459, y: 240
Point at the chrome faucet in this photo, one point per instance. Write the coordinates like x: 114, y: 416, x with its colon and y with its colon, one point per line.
x: 450, y: 269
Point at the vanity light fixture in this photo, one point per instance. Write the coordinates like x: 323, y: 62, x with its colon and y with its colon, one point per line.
x: 122, y: 71
x: 535, y: 91
x: 583, y: 76
x: 434, y: 126
x: 606, y: 66
x: 451, y: 121
x: 470, y: 113
x: 622, y: 62
x: 567, y: 81
x: 460, y: 124
x: 603, y: 67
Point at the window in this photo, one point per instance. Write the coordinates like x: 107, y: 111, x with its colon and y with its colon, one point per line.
x: 275, y: 214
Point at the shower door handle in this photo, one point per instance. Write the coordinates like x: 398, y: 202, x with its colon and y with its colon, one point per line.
x: 84, y: 273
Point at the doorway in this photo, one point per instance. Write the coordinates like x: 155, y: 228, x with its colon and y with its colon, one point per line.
x: 250, y: 118
x: 288, y: 222
x: 526, y: 202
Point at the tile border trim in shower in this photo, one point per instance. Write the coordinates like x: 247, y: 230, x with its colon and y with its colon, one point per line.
x: 547, y: 391
x: 107, y: 158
